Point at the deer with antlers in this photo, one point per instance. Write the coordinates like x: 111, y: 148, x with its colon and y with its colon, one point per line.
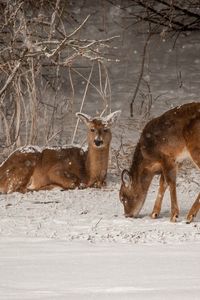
x: 165, y: 141
x: 29, y: 169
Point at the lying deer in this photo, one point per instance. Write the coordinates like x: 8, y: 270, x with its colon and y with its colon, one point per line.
x: 65, y: 167
x: 16, y: 171
x: 165, y: 140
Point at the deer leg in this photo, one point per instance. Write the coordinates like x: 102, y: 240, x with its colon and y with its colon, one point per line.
x: 192, y: 138
x: 194, y: 210
x: 158, y: 203
x: 169, y: 171
x: 97, y: 183
x: 63, y: 179
x: 48, y: 187
x: 195, y: 154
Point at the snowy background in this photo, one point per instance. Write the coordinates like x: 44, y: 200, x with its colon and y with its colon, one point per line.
x: 77, y: 244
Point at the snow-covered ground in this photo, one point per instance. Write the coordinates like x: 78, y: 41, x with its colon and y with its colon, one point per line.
x: 78, y: 245
x: 52, y: 270
x: 96, y: 215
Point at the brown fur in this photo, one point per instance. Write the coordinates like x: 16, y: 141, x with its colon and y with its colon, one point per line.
x: 67, y: 168
x: 63, y: 167
x: 16, y: 171
x: 96, y: 163
x: 163, y: 141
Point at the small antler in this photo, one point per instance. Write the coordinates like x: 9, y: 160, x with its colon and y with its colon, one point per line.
x: 111, y: 118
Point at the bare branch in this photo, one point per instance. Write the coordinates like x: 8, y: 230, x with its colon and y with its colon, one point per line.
x: 140, y: 74
x: 10, y: 78
x: 82, y: 103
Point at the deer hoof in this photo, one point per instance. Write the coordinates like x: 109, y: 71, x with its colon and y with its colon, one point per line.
x: 73, y: 185
x: 174, y: 218
x: 97, y: 185
x: 154, y: 215
x: 189, y: 219
x: 82, y: 186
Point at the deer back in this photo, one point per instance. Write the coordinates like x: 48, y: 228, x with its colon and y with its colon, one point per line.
x: 164, y: 141
x: 16, y: 170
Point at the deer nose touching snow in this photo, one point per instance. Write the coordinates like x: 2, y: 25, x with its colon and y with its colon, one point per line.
x: 164, y: 141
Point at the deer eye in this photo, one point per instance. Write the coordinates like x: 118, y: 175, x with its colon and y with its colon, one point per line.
x: 92, y: 129
x: 121, y: 199
x: 124, y: 200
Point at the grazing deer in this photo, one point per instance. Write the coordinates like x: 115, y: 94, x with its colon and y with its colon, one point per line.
x: 165, y: 140
x: 31, y: 168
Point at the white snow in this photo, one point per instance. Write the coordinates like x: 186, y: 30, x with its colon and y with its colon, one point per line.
x: 52, y: 270
x: 78, y: 245
x: 96, y: 215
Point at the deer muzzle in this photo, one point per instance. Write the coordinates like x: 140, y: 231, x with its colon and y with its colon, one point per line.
x: 98, y: 142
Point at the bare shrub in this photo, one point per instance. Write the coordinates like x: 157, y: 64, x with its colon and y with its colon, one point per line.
x: 40, y: 45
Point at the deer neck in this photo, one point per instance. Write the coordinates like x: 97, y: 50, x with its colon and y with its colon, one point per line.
x: 142, y: 175
x: 97, y: 164
x: 141, y: 187
x: 145, y: 182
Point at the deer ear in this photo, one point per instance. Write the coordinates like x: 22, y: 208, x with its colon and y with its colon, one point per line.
x: 126, y: 178
x: 111, y: 118
x: 84, y: 117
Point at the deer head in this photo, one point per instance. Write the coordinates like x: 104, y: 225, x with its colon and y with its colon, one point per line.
x: 130, y: 196
x: 99, y: 128
x: 134, y: 189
